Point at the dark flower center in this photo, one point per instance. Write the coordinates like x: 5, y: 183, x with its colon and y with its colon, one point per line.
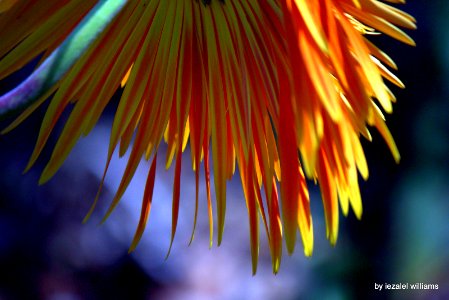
x: 206, y: 2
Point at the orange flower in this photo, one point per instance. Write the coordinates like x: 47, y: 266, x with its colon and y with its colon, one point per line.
x: 283, y: 88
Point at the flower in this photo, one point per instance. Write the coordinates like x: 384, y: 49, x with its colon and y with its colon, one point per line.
x: 283, y: 88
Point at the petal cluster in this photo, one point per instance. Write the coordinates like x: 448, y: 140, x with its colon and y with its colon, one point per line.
x: 280, y: 89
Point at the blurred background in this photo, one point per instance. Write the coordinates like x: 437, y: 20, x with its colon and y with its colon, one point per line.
x: 403, y: 237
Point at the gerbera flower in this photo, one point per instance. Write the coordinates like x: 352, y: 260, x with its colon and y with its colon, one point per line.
x: 282, y: 88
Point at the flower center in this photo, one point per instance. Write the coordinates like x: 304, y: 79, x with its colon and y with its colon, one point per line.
x: 207, y: 2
